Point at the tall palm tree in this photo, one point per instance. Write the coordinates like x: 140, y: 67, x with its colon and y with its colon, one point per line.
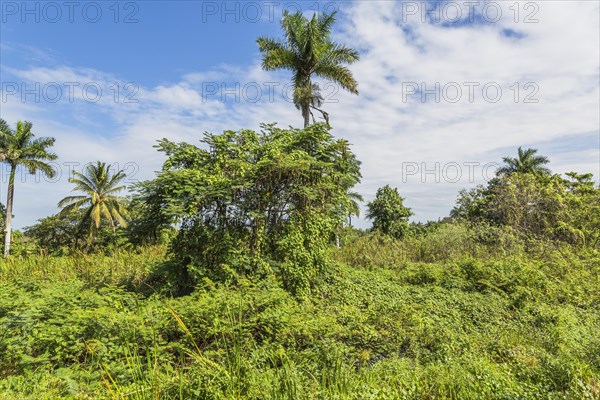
x: 19, y: 148
x: 306, y: 51
x: 100, y: 200
x: 526, y: 162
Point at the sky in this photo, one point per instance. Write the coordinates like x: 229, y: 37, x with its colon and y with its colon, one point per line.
x: 446, y: 88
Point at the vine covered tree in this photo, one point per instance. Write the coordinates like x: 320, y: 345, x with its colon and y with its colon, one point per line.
x: 100, y: 200
x: 308, y: 50
x: 19, y: 148
x: 388, y: 212
x: 526, y: 198
x: 252, y: 203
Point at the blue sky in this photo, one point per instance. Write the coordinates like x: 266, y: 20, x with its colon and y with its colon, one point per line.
x: 152, y: 42
x: 413, y: 125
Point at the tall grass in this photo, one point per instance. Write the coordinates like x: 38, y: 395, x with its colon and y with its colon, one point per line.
x: 120, y: 267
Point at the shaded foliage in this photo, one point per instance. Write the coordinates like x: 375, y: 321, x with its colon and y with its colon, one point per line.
x: 57, y: 233
x: 64, y: 233
x: 149, y: 223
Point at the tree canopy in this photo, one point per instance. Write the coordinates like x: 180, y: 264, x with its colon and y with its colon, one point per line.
x: 307, y: 50
x: 537, y: 205
x: 388, y: 212
x: 526, y: 162
x: 252, y: 202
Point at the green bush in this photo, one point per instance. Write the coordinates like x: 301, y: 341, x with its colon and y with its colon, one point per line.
x: 252, y: 204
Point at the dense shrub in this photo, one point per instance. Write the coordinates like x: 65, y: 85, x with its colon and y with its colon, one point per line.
x: 537, y: 206
x: 510, y: 324
x: 255, y: 203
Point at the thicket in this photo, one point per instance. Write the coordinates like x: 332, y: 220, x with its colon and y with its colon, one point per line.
x: 442, y: 314
x: 252, y: 204
x: 239, y: 276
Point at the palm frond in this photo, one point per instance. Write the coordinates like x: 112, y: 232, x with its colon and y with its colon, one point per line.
x: 325, y: 23
x: 5, y: 128
x: 34, y: 165
x: 69, y: 200
x: 340, y: 75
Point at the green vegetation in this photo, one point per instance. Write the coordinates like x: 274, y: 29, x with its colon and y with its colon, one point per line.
x: 459, y: 312
x: 236, y: 274
x: 498, y: 302
x: 255, y: 203
x: 388, y: 213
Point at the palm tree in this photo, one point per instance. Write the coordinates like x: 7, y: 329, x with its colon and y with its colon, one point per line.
x: 307, y: 51
x: 354, y: 208
x: 100, y: 200
x: 3, y: 128
x: 526, y: 162
x: 19, y: 148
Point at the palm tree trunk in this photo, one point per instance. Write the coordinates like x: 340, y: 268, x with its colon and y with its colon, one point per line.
x: 9, y: 206
x: 306, y: 114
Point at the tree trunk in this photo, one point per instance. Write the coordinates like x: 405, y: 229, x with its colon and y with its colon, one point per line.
x: 9, y: 206
x: 306, y: 115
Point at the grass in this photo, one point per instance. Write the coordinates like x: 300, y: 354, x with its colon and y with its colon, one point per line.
x: 120, y: 267
x: 444, y: 316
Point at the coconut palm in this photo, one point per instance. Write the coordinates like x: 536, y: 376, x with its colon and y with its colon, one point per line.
x: 19, y: 148
x: 526, y: 162
x: 100, y: 200
x: 306, y: 51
